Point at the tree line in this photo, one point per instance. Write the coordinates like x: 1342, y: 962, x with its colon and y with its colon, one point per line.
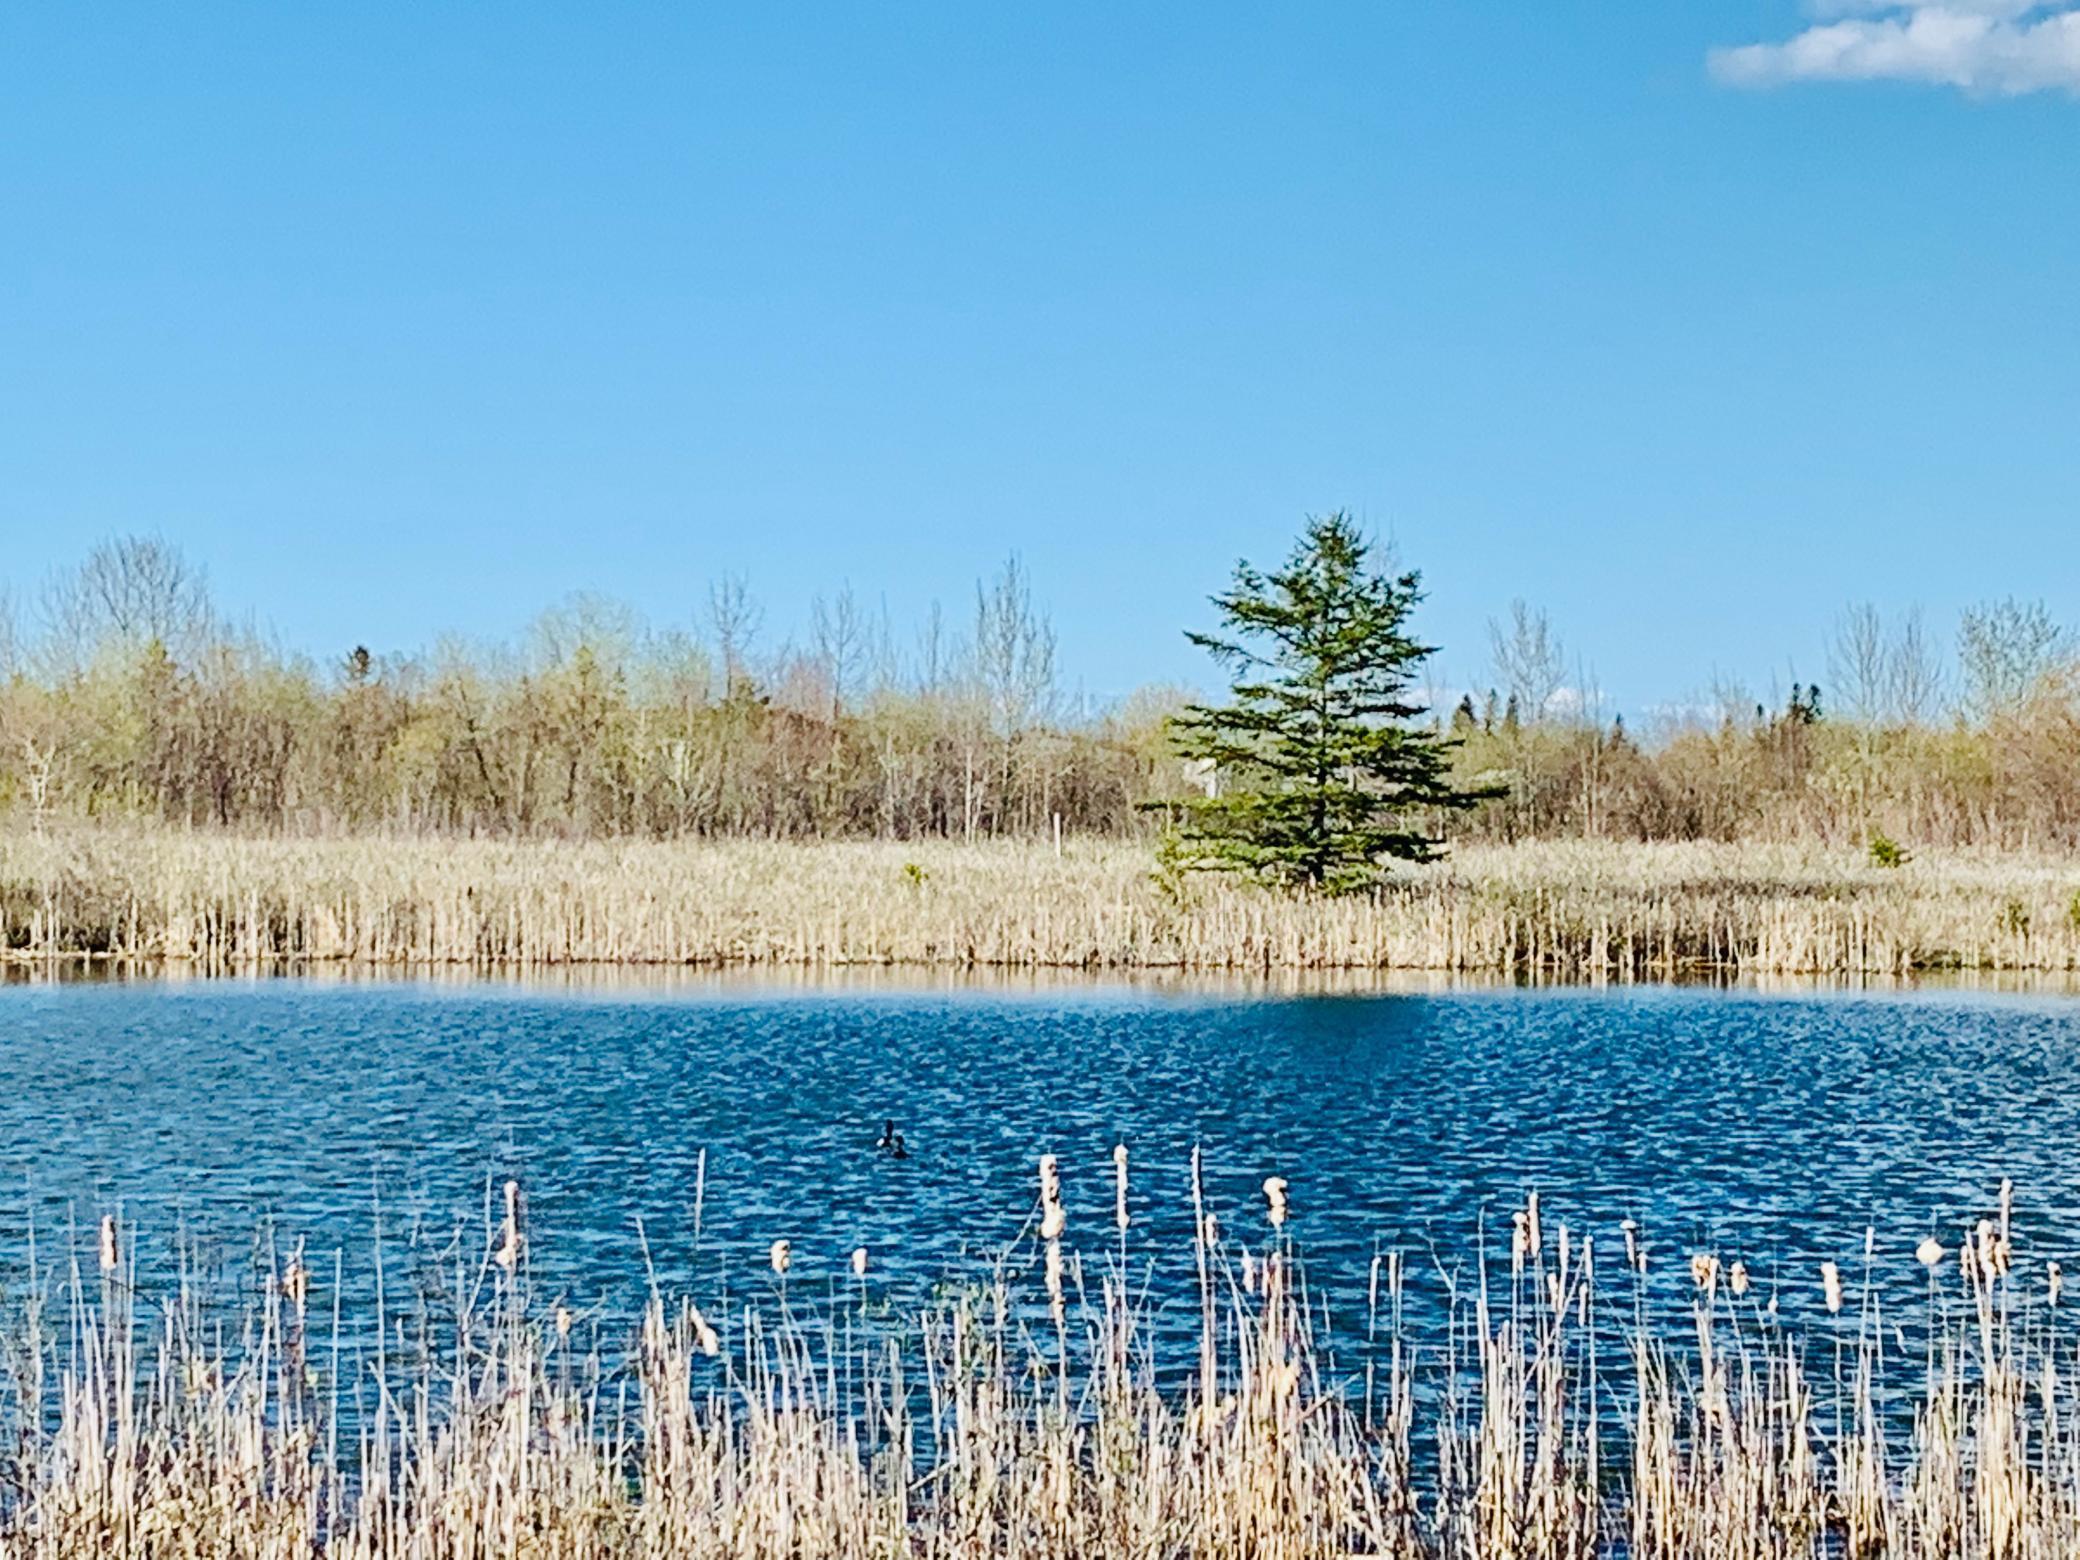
x: 1976, y: 748
x: 124, y: 693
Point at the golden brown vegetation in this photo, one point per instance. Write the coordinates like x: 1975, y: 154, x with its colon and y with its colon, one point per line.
x: 1563, y: 1413
x: 1560, y: 910
x: 129, y: 698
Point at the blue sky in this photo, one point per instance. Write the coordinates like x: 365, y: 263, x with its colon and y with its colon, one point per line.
x: 404, y: 319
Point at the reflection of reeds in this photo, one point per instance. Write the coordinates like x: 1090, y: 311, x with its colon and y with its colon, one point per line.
x: 1563, y: 910
x: 1552, y: 1420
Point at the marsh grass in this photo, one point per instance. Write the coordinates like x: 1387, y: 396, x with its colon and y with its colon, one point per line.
x: 1663, y: 1410
x: 1561, y: 911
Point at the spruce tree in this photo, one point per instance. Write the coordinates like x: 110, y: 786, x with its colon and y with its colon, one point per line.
x: 1319, y: 779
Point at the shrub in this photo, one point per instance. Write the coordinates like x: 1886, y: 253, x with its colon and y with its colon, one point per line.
x: 1171, y: 875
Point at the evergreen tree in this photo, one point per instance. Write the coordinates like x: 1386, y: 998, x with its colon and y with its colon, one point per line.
x: 1318, y: 777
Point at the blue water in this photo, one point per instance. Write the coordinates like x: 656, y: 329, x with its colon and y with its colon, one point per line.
x: 1772, y: 1128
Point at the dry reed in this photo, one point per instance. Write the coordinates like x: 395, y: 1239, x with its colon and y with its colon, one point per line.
x: 1550, y: 910
x: 1558, y: 1417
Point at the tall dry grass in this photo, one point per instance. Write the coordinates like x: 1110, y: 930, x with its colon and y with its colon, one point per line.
x: 1553, y: 1417
x: 1558, y: 910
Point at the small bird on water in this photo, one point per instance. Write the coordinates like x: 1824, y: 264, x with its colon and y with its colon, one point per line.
x: 891, y: 1142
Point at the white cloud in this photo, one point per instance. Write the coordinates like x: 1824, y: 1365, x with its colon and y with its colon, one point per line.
x: 2004, y: 9
x: 1568, y: 703
x: 1993, y: 47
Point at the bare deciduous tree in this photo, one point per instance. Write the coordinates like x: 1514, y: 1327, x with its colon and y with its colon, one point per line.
x: 1858, y: 662
x: 934, y: 655
x: 736, y: 618
x: 1915, y: 673
x: 1882, y: 673
x: 844, y: 641
x: 129, y: 589
x: 1014, y: 651
x: 1014, y: 667
x: 2005, y: 649
x: 1530, y: 662
x: 10, y: 636
x: 609, y: 629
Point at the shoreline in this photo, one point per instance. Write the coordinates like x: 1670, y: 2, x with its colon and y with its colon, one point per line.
x: 899, y: 980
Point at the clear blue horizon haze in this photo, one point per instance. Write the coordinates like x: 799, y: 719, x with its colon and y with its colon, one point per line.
x: 1688, y: 324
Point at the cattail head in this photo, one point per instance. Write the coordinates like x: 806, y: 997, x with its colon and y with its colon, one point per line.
x: 1930, y: 1252
x: 1519, y: 1236
x: 1053, y: 1218
x: 704, y: 1337
x: 1275, y: 1198
x: 508, y: 1254
x: 1831, y: 1286
x: 111, y: 1250
x: 296, y: 1283
x: 1532, y: 1232
x: 1119, y: 1186
x: 1992, y: 1250
x: 780, y: 1256
x: 1737, y: 1278
x: 2054, y: 1280
x: 1635, y: 1254
x: 1704, y: 1270
x: 859, y: 1262
x: 564, y: 1319
x: 1249, y: 1272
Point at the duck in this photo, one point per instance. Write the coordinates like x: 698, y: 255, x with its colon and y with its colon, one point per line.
x: 889, y: 1138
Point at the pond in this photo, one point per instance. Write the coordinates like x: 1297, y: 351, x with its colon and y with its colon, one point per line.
x: 680, y: 1133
